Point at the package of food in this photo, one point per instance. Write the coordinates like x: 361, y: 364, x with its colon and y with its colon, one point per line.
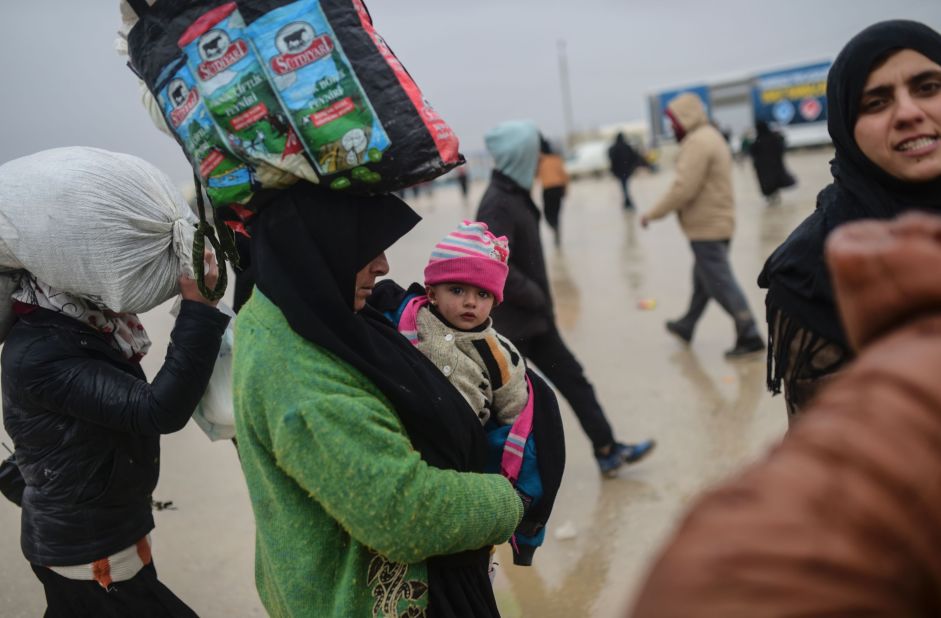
x: 421, y: 146
x: 421, y: 131
x: 227, y: 179
x: 305, y: 86
x: 312, y: 77
x: 238, y: 94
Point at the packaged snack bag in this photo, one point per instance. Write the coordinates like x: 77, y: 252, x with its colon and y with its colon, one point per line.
x: 421, y: 145
x: 237, y: 92
x: 227, y: 179
x: 317, y: 86
x: 305, y: 86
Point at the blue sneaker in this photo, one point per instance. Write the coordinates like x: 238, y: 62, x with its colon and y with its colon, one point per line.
x: 621, y: 454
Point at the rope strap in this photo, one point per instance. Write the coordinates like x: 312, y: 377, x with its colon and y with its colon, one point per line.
x: 223, y: 247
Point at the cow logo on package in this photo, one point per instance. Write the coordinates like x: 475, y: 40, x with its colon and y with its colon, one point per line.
x: 218, y: 53
x: 183, y: 99
x: 299, y: 46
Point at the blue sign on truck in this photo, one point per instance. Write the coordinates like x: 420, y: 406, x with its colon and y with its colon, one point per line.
x: 793, y: 96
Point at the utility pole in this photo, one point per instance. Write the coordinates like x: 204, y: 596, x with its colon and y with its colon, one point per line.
x: 566, y: 96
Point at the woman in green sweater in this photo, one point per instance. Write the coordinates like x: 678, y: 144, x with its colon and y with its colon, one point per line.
x: 363, y: 463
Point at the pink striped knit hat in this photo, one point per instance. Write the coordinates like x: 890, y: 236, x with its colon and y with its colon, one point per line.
x: 472, y: 255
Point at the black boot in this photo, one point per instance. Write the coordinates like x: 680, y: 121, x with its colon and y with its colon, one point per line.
x: 681, y: 332
x: 746, y: 347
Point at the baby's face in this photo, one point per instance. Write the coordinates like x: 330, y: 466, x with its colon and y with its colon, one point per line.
x: 464, y: 306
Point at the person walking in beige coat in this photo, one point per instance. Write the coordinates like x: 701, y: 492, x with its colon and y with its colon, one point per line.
x: 701, y: 195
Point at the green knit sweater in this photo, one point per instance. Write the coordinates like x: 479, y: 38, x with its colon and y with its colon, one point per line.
x: 346, y: 511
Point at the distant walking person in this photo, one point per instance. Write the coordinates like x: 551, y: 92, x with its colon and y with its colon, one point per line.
x: 526, y: 317
x: 554, y: 180
x: 767, y: 153
x: 462, y: 181
x: 701, y: 195
x: 624, y: 161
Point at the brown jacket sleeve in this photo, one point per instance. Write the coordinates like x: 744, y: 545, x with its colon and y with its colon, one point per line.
x: 843, y: 518
x: 692, y: 166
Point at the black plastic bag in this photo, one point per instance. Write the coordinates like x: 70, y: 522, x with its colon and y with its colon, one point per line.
x: 364, y: 126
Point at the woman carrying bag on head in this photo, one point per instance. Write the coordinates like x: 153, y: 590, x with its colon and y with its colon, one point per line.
x: 884, y: 106
x: 363, y: 463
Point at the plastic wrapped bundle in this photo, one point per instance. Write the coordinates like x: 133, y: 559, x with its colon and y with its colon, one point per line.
x: 307, y: 87
x: 105, y: 226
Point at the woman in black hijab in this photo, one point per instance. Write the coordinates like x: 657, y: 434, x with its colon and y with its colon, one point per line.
x: 884, y: 106
x: 362, y: 461
x: 767, y: 153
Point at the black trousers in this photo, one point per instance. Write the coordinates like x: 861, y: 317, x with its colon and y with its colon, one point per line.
x: 552, y: 205
x: 552, y: 357
x: 628, y: 203
x: 141, y: 596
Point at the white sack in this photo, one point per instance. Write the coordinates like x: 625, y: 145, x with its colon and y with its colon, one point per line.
x: 105, y: 226
x: 215, y: 413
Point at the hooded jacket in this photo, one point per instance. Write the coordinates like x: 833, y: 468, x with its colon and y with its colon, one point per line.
x: 508, y: 210
x: 701, y: 193
x: 514, y: 146
x: 844, y: 517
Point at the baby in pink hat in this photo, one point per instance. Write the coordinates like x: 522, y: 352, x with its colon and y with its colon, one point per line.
x: 464, y: 280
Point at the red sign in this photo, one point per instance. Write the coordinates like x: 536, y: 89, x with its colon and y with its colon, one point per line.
x: 320, y: 47
x: 211, y: 162
x: 249, y: 117
x: 178, y: 115
x: 210, y: 69
x: 337, y: 110
x: 810, y: 109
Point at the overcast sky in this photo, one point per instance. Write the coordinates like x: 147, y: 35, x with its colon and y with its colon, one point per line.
x: 478, y: 62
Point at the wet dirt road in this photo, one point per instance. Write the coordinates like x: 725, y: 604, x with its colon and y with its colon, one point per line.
x: 708, y: 415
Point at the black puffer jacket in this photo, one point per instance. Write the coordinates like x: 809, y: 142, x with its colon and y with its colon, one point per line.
x: 508, y: 210
x: 86, y: 427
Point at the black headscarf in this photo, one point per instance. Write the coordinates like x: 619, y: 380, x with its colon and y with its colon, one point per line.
x: 308, y: 243
x: 796, y: 274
